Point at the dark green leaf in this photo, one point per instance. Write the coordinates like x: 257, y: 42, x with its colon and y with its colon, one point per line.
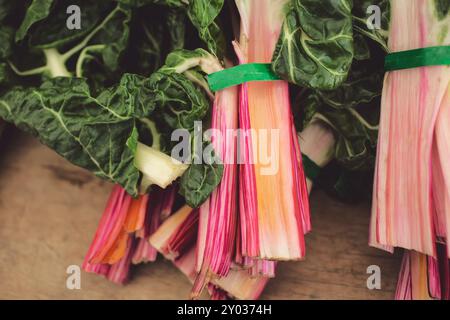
x: 53, y: 32
x: 315, y: 48
x: 203, y: 15
x: 178, y: 101
x: 360, y: 18
x: 442, y: 8
x: 7, y: 7
x: 95, y: 133
x: 37, y: 11
x: 362, y: 51
x: 199, y: 181
x: 352, y: 110
x: 141, y: 3
x: 6, y: 39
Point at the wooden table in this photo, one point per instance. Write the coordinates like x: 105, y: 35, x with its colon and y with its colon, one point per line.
x: 49, y: 211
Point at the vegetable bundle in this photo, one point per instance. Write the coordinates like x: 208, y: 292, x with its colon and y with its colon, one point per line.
x: 410, y: 198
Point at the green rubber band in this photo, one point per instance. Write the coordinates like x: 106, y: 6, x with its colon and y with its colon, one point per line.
x: 312, y: 170
x: 240, y: 74
x: 423, y: 57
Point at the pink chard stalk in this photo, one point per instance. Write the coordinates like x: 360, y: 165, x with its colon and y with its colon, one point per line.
x: 411, y: 187
x: 236, y: 284
x: 273, y: 202
x: 217, y: 227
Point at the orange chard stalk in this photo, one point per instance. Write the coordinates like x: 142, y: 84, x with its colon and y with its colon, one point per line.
x: 122, y: 235
x: 273, y: 204
x: 237, y: 283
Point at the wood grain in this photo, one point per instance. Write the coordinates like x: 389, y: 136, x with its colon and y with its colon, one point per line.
x: 49, y: 210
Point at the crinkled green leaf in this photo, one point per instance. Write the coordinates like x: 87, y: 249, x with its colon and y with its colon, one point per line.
x: 352, y: 110
x: 37, y: 11
x: 179, y: 103
x: 4, y: 74
x: 98, y: 132
x: 6, y: 40
x: 182, y: 60
x: 199, y: 181
x: 361, y: 48
x: 442, y: 8
x: 95, y: 133
x: 158, y: 30
x: 7, y: 7
x: 52, y: 32
x: 114, y: 35
x: 203, y: 15
x: 141, y: 3
x: 315, y: 48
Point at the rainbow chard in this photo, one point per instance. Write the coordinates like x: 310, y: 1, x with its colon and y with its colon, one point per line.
x: 403, y: 210
x: 122, y: 237
x: 217, y: 228
x: 181, y: 228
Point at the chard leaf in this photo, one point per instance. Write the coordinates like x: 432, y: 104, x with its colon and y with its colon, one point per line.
x: 199, y: 181
x: 442, y: 8
x: 6, y: 39
x: 52, y: 32
x: 95, y: 133
x: 4, y: 74
x: 182, y: 60
x: 178, y: 102
x: 37, y: 11
x: 6, y: 7
x: 99, y: 132
x: 315, y: 48
x: 203, y: 15
x: 141, y: 3
x: 158, y: 31
x: 352, y: 110
x: 114, y: 35
x: 361, y: 48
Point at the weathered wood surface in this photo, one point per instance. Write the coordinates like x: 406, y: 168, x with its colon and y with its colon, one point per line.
x: 49, y: 210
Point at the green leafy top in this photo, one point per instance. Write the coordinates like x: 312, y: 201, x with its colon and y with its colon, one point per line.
x: 442, y: 8
x: 352, y: 111
x: 99, y: 133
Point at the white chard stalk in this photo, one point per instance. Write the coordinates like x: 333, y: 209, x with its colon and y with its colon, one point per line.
x: 157, y: 167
